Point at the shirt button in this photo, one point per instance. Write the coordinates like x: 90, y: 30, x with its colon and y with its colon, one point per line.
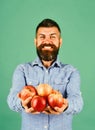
x: 45, y: 126
x: 30, y: 83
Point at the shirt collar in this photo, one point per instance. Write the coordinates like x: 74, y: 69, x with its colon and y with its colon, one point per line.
x: 37, y: 62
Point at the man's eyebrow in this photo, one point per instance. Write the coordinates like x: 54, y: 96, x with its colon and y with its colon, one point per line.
x: 44, y: 34
x: 53, y: 34
x: 41, y: 34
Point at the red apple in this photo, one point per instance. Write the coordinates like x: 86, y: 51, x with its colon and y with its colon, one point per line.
x: 38, y: 103
x: 55, y: 99
x: 27, y: 91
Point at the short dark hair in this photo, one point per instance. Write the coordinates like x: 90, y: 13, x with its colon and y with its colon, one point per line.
x: 48, y: 23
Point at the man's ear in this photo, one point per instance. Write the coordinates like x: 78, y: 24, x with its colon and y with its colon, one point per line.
x: 61, y: 41
x: 35, y: 41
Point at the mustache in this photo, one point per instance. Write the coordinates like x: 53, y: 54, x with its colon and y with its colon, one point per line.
x: 48, y: 45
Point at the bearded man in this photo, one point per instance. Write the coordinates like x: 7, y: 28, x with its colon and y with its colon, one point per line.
x: 47, y: 69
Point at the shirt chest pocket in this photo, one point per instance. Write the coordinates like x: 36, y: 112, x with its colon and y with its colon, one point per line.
x: 33, y: 82
x: 60, y: 84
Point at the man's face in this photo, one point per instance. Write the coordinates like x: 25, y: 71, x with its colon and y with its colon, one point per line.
x: 48, y: 42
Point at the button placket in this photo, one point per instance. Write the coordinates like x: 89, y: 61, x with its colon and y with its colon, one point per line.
x: 46, y: 77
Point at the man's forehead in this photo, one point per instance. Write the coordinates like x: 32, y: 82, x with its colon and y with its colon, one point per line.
x: 48, y: 30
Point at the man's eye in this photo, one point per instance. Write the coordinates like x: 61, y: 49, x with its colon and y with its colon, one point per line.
x: 53, y: 37
x: 42, y: 37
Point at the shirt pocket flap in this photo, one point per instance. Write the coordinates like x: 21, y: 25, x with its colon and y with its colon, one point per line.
x: 61, y: 81
x: 32, y: 82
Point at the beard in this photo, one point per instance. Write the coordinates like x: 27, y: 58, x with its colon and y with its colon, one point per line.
x: 47, y: 55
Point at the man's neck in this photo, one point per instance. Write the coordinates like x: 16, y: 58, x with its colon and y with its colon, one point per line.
x: 47, y: 64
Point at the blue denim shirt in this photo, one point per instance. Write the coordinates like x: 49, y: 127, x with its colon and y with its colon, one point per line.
x: 62, y: 77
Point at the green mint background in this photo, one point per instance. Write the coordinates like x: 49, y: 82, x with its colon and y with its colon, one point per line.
x: 18, y: 20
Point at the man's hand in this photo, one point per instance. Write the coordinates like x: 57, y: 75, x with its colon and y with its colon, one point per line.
x: 48, y: 109
x: 25, y: 104
x: 56, y: 110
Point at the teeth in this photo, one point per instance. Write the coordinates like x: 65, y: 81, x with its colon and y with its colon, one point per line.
x: 47, y: 47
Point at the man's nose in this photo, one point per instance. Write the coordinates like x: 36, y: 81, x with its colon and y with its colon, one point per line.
x: 47, y: 40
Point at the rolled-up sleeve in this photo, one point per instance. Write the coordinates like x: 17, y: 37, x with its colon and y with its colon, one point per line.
x: 18, y: 82
x: 74, y: 94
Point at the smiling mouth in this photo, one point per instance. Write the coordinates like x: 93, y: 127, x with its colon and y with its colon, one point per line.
x: 47, y: 48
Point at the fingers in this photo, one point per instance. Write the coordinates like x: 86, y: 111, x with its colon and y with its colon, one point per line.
x: 27, y: 109
x: 52, y: 111
x: 56, y: 110
x: 25, y: 102
x: 49, y: 110
x: 31, y: 110
x: 19, y: 95
x: 64, y: 106
x: 46, y: 112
